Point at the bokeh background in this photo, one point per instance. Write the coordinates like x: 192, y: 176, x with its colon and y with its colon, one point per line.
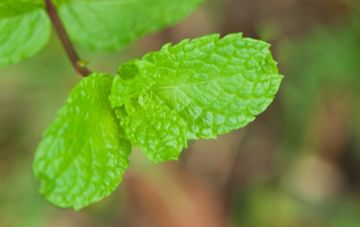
x: 298, y: 164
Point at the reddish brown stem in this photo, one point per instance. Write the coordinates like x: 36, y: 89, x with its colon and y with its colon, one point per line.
x: 65, y: 40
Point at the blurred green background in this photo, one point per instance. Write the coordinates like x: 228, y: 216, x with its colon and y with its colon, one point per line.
x: 298, y: 164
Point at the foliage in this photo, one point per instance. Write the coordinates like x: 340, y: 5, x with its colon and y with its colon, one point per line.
x: 83, y: 154
x: 24, y: 30
x: 197, y: 89
x: 161, y: 101
x: 97, y: 24
x: 110, y: 25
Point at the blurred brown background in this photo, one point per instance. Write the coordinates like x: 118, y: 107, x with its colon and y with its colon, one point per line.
x: 298, y: 164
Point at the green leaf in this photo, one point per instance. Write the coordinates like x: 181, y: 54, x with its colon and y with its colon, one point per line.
x: 24, y: 30
x: 10, y: 8
x: 112, y: 24
x: 193, y: 90
x: 83, y: 154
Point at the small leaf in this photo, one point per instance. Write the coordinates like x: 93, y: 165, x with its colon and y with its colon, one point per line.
x: 110, y: 25
x: 83, y: 154
x: 193, y: 90
x: 24, y: 30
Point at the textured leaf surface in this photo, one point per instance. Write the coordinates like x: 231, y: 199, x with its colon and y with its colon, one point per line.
x: 111, y: 24
x: 83, y: 154
x: 24, y: 30
x: 196, y: 89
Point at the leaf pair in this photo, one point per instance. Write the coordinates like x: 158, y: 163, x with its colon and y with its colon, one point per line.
x: 97, y: 24
x: 196, y: 89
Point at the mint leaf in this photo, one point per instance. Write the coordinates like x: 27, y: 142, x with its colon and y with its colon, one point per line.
x: 193, y: 90
x: 10, y: 8
x: 24, y: 30
x: 111, y: 24
x: 83, y: 154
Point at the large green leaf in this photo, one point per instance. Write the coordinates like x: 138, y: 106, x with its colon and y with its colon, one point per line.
x: 196, y: 89
x: 24, y: 30
x: 83, y: 154
x: 111, y: 24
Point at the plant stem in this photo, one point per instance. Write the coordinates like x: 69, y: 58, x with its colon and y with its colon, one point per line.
x: 65, y: 40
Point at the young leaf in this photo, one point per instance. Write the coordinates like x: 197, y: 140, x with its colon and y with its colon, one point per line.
x: 196, y: 89
x: 110, y: 25
x: 24, y: 30
x: 83, y: 154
